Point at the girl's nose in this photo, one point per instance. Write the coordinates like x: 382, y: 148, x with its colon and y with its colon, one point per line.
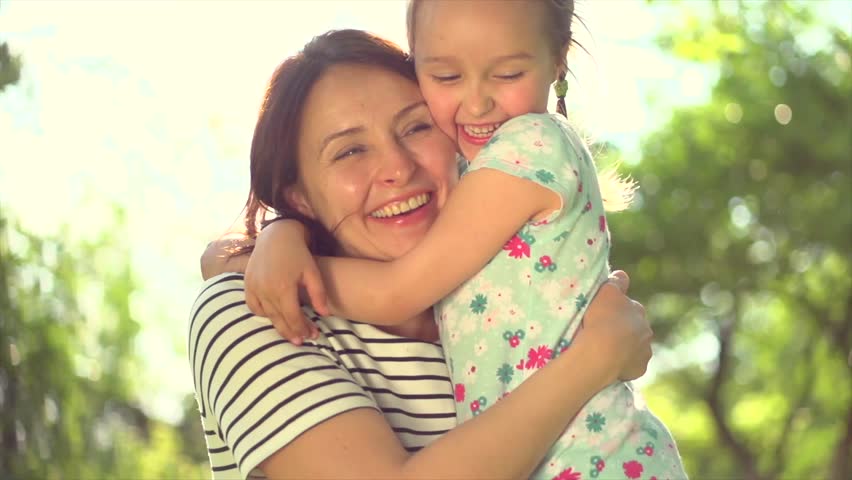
x: 478, y: 102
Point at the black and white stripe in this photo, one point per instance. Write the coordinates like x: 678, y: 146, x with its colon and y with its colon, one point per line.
x: 256, y: 392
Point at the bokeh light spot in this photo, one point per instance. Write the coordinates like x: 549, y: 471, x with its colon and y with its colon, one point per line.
x: 783, y: 113
x: 733, y: 112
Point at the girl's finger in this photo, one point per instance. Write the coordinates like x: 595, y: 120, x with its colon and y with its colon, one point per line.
x: 254, y: 304
x: 290, y: 309
x: 316, y: 292
x: 620, y: 279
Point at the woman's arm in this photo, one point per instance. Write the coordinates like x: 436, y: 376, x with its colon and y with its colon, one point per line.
x: 483, y: 212
x: 509, y: 439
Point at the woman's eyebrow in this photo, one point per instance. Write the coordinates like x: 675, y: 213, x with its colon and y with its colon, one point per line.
x: 334, y: 136
x: 406, y: 110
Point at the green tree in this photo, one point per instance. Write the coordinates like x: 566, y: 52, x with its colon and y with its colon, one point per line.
x: 67, y: 366
x: 741, y: 247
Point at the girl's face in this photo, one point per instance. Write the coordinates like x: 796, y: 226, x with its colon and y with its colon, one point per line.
x: 482, y: 63
x: 373, y: 169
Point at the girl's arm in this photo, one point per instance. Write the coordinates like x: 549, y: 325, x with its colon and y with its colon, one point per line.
x: 283, y: 265
x: 508, y: 440
x: 218, y: 257
x: 480, y: 216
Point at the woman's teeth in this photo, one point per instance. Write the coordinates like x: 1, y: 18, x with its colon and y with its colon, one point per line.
x: 404, y: 206
x: 480, y: 131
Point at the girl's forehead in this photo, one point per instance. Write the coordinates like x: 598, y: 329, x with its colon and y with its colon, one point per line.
x: 481, y: 25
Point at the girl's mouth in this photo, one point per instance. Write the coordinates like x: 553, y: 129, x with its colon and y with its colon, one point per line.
x: 478, y: 134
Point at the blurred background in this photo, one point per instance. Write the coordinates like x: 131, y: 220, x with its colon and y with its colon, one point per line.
x: 124, y: 136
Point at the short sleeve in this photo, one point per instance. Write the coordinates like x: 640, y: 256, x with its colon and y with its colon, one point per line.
x: 541, y: 148
x: 259, y: 391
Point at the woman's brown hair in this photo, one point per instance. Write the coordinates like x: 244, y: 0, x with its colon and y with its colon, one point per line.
x: 274, y: 146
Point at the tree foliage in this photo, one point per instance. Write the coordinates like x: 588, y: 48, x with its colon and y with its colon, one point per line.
x: 67, y: 367
x: 742, y: 247
x: 68, y: 407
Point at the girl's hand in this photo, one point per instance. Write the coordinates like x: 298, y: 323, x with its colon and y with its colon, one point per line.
x: 280, y: 265
x: 617, y: 328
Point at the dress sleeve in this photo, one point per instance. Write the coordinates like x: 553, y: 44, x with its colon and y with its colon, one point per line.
x: 258, y: 389
x: 541, y: 148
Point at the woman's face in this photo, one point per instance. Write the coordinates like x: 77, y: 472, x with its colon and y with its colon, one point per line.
x: 373, y: 168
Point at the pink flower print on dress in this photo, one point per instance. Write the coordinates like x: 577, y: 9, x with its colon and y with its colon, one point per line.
x: 602, y: 223
x: 568, y: 474
x: 514, y: 338
x: 545, y: 263
x: 517, y: 247
x: 477, y: 406
x: 633, y: 469
x: 459, y: 392
x: 579, y: 184
x: 538, y: 357
x: 587, y: 206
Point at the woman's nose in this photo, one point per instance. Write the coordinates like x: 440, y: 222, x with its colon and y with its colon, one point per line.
x: 397, y: 166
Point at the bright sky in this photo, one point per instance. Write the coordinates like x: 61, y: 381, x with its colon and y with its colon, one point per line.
x: 151, y: 106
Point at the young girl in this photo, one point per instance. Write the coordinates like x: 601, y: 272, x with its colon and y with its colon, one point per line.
x: 504, y: 308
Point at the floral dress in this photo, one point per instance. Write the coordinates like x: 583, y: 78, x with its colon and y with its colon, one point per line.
x: 522, y: 310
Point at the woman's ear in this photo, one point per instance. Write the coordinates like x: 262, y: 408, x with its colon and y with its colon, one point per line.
x: 296, y: 198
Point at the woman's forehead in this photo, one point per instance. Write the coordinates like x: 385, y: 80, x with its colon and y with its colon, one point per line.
x: 348, y: 96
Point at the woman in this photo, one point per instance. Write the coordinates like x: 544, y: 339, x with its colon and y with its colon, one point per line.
x: 359, y: 401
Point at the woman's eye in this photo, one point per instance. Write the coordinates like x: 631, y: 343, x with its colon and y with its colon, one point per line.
x: 510, y: 76
x: 420, y: 127
x: 445, y: 78
x: 349, y: 152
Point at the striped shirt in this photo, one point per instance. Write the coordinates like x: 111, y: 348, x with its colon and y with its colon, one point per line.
x: 257, y: 392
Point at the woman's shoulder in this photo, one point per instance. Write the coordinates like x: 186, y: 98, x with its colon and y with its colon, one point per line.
x: 221, y: 302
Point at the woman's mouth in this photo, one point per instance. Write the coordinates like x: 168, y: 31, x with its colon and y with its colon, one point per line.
x: 402, y: 207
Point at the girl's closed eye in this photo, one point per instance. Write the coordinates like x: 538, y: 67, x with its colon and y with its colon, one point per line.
x: 510, y: 76
x: 445, y: 78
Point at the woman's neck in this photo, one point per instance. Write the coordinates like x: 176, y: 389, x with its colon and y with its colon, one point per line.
x: 421, y: 327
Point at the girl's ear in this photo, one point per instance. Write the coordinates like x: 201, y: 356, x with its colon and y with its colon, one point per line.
x: 296, y: 198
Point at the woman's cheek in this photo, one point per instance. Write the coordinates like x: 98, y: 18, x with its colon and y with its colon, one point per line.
x: 348, y: 188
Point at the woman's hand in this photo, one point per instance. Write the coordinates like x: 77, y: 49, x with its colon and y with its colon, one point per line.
x: 279, y: 267
x: 618, y: 330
